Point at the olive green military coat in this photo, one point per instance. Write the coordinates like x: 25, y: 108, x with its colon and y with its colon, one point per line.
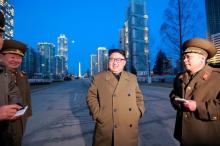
x: 201, y: 127
x: 116, y: 106
x: 19, y: 125
x: 9, y: 94
x: 24, y: 88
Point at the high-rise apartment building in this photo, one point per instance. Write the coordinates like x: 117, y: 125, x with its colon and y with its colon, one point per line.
x: 93, y: 64
x: 134, y: 40
x: 213, y: 27
x: 102, y: 57
x: 213, y: 16
x: 8, y: 9
x: 60, y: 66
x: 63, y: 52
x: 215, y: 61
x: 47, y: 59
x: 29, y: 62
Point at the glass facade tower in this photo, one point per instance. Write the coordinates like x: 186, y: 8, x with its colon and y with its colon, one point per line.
x: 213, y: 27
x: 134, y: 40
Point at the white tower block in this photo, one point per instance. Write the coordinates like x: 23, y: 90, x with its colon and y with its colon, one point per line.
x: 79, y: 70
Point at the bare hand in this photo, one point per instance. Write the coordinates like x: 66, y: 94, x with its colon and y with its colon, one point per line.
x: 190, y: 105
x: 7, y: 112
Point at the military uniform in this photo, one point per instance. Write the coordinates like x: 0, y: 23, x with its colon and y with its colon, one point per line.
x: 202, y: 126
x: 9, y: 94
x: 21, y: 80
x: 18, y: 126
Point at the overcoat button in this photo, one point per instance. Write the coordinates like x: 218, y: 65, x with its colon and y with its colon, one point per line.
x: 130, y: 125
x: 129, y: 109
x: 115, y: 126
x: 115, y: 109
x: 129, y: 94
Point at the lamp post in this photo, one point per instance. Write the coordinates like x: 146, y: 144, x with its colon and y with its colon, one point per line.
x: 146, y: 51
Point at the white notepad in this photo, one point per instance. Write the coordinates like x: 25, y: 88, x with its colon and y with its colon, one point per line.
x: 21, y: 112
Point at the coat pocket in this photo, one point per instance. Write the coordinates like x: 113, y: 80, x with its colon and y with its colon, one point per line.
x: 100, y: 116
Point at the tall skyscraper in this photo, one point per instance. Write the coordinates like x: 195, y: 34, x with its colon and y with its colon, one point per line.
x: 213, y: 27
x: 8, y: 9
x: 93, y: 64
x: 29, y: 62
x: 213, y: 16
x: 215, y: 61
x: 60, y: 66
x: 63, y: 51
x: 2, y: 5
x: 47, y: 59
x: 134, y: 40
x: 102, y: 54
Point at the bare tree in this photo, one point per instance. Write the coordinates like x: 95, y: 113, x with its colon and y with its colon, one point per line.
x: 181, y: 22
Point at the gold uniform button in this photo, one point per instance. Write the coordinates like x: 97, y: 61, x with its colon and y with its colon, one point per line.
x: 214, y: 118
x: 188, y: 88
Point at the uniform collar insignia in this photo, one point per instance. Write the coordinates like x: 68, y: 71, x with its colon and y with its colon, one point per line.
x: 205, y: 75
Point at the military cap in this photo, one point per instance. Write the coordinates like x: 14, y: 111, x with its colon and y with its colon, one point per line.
x: 200, y: 46
x: 2, y: 21
x: 13, y: 47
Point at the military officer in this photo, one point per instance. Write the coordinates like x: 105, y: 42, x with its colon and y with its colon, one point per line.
x: 196, y: 96
x: 12, y: 52
x: 9, y: 96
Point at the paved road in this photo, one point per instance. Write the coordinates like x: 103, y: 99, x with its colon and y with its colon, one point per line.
x: 61, y: 117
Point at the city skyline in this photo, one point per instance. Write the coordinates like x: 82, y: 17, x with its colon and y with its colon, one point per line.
x: 90, y: 25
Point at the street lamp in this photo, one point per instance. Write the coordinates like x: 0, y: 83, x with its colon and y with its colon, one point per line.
x: 146, y: 51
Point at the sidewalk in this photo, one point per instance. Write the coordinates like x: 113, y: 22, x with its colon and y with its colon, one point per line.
x: 158, y: 84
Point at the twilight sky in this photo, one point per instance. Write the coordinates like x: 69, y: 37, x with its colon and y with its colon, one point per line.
x: 90, y: 23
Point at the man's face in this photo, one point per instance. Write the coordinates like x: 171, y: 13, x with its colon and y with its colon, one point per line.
x: 116, y: 62
x: 193, y: 61
x: 1, y: 40
x: 12, y: 61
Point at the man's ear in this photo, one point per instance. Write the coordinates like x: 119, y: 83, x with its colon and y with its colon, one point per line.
x: 125, y: 62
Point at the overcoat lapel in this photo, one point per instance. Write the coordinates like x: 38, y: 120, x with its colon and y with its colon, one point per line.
x: 199, y: 79
x: 184, y: 79
x: 115, y: 84
x: 111, y: 80
x: 123, y: 82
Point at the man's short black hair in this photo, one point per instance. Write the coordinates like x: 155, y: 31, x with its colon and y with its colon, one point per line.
x: 122, y: 52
